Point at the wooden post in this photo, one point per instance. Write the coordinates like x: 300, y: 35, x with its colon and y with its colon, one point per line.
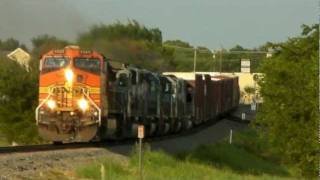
x: 230, y: 138
x: 140, y: 136
x: 103, y: 173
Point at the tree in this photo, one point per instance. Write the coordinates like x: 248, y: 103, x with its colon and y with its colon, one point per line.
x: 11, y: 44
x: 289, y: 88
x: 266, y: 46
x: 177, y: 43
x: 18, y: 100
x: 118, y: 31
x: 130, y: 43
x: 249, y: 90
x: 204, y: 49
x: 238, y: 48
x: 43, y: 43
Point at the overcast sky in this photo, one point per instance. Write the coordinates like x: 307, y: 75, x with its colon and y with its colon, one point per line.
x: 210, y: 23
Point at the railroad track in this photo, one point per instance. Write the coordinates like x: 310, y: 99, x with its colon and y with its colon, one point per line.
x: 42, y: 147
x: 111, y: 143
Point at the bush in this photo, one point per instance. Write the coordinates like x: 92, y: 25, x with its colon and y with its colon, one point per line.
x: 18, y: 99
x: 289, y: 88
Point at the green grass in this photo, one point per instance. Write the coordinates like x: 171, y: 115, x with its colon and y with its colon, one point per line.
x: 247, y: 158
x: 113, y: 170
x: 161, y: 166
x: 225, y: 156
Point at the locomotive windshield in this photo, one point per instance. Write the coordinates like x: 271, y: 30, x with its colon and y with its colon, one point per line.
x: 88, y: 64
x: 53, y: 63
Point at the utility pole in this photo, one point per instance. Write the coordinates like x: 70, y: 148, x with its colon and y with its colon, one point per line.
x: 195, y: 60
x: 255, y: 91
x: 220, y: 60
x: 214, y: 57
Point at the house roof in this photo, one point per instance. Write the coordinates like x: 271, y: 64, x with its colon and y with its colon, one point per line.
x: 19, y: 55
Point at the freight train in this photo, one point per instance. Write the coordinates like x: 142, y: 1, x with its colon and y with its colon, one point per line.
x: 84, y: 96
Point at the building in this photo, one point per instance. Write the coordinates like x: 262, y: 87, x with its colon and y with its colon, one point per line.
x: 20, y: 56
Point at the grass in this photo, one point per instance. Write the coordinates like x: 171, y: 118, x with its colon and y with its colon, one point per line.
x: 246, y: 158
x: 113, y: 170
x: 225, y: 156
x: 161, y: 166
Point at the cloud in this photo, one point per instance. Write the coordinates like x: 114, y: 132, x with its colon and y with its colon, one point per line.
x: 25, y: 19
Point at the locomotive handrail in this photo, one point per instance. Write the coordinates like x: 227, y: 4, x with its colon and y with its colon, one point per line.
x: 40, y: 105
x: 94, y: 104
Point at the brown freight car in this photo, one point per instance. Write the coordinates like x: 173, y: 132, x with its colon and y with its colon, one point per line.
x: 216, y: 91
x: 208, y: 97
x: 229, y: 90
x: 199, y: 99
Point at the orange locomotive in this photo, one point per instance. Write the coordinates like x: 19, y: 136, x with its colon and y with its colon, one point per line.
x: 70, y: 96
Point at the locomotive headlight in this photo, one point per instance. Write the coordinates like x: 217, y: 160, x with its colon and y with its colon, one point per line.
x: 68, y: 75
x: 51, y: 104
x: 83, y: 104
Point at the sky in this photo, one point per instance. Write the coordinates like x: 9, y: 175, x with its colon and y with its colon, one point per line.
x: 210, y: 23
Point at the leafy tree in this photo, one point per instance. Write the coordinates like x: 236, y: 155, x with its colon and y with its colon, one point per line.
x: 289, y: 88
x: 118, y: 31
x: 19, y: 91
x: 18, y: 99
x: 238, y: 48
x: 267, y: 46
x: 177, y: 43
x: 130, y: 43
x: 249, y: 90
x: 44, y: 43
x: 11, y: 44
x: 204, y: 49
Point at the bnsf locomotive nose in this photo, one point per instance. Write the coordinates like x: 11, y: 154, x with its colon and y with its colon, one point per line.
x: 69, y: 105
